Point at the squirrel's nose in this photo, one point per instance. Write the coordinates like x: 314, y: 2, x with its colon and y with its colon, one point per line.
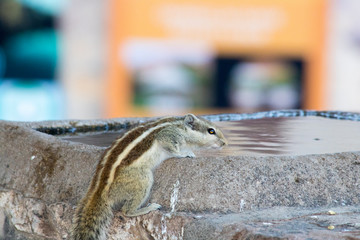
x: 224, y: 142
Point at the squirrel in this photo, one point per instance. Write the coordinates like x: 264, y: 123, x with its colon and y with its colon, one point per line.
x: 124, y: 176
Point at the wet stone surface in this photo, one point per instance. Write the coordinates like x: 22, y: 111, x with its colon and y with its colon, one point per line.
x: 267, y: 191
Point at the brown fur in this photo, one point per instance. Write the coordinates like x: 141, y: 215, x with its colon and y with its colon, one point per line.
x: 138, y: 150
x: 116, y: 149
x: 129, y: 184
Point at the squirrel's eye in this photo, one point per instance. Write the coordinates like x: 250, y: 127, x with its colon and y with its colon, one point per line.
x: 211, y: 131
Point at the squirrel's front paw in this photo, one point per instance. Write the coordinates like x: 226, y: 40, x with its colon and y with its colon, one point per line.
x: 190, y: 155
x: 154, y: 206
x: 185, y: 154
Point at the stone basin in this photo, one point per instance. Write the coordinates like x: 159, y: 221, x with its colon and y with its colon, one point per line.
x: 266, y: 184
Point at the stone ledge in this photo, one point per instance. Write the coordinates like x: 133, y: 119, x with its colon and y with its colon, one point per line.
x: 43, y: 178
x: 28, y: 218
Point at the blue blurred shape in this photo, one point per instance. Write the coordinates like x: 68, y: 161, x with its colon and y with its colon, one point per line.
x: 33, y: 100
x: 32, y: 54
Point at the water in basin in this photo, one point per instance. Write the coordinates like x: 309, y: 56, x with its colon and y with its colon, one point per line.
x: 270, y: 136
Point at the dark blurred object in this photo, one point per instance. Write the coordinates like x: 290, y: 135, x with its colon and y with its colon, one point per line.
x: 28, y: 40
x: 31, y: 54
x: 29, y: 90
x: 16, y: 18
x: 252, y: 84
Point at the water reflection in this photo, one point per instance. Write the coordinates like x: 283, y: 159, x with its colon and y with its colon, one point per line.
x: 270, y: 136
x: 253, y: 137
x: 290, y: 136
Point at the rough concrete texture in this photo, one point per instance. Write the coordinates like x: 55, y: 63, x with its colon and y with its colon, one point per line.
x: 244, y: 197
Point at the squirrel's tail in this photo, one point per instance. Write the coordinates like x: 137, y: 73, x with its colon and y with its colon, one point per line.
x: 91, y: 221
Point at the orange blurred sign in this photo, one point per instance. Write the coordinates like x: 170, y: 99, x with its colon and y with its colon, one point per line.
x: 246, y: 27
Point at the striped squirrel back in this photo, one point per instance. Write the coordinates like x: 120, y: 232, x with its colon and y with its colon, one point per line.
x: 124, y: 175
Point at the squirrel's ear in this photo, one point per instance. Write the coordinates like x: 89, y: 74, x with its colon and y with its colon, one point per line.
x: 190, y: 120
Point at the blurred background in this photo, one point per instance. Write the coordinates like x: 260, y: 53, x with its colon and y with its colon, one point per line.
x: 118, y: 58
